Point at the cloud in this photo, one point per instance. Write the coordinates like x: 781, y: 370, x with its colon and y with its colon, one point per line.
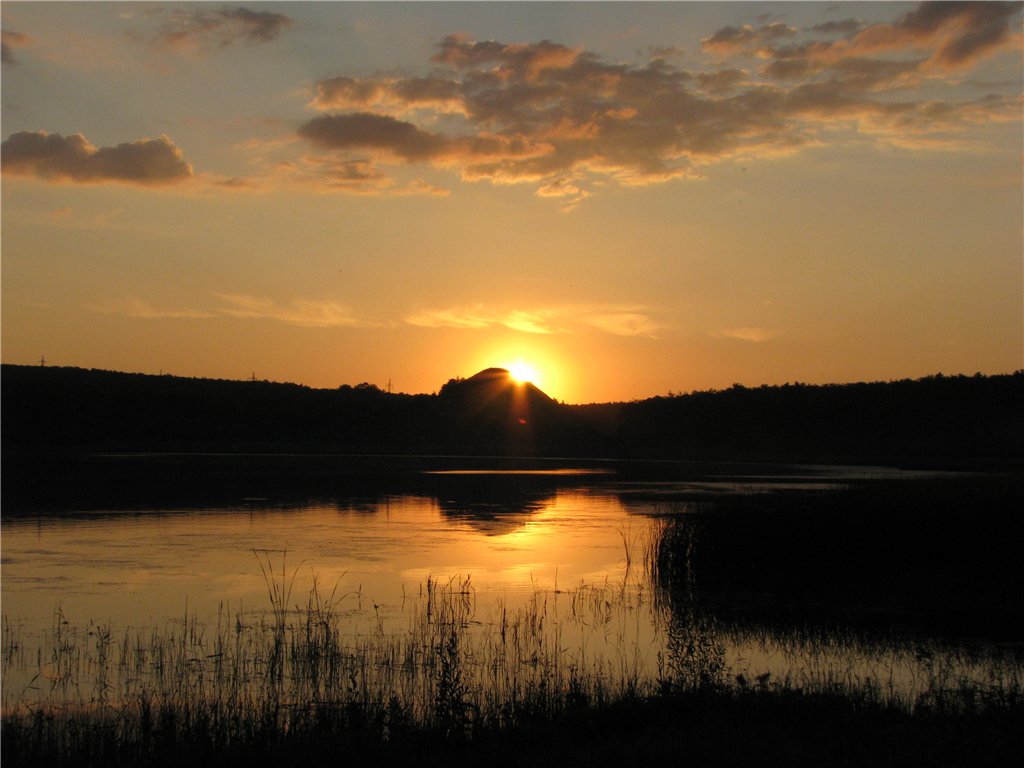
x: 960, y: 32
x: 570, y: 194
x: 200, y: 28
x: 623, y: 323
x: 844, y: 27
x: 751, y: 334
x: 8, y: 42
x: 301, y: 312
x: 572, y: 318
x: 137, y: 308
x: 619, y: 320
x: 721, y: 81
x: 952, y: 34
x: 730, y: 39
x: 404, y: 141
x: 515, y: 61
x: 567, y: 121
x: 398, y: 94
x: 50, y: 156
x: 366, y: 130
x: 480, y: 316
x: 665, y: 51
x: 420, y: 187
x: 330, y: 174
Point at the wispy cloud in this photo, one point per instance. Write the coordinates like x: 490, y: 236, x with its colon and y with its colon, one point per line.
x: 140, y: 309
x: 747, y: 333
x: 623, y: 323
x: 571, y: 318
x: 199, y: 27
x: 50, y: 156
x: 331, y: 174
x: 306, y: 313
x: 302, y: 312
x: 570, y: 194
x: 482, y: 316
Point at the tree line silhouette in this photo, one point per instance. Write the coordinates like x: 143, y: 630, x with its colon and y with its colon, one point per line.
x: 938, y: 418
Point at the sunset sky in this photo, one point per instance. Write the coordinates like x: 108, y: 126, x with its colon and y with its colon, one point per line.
x: 632, y: 198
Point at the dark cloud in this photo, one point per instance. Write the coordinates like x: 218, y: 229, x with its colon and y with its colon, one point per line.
x: 198, y: 26
x: 961, y: 31
x: 665, y: 51
x: 791, y: 69
x: 50, y: 156
x: 953, y: 34
x: 844, y: 27
x: 365, y: 130
x: 729, y: 39
x: 8, y: 42
x: 720, y: 82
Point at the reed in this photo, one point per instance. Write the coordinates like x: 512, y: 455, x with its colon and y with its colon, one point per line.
x: 297, y: 678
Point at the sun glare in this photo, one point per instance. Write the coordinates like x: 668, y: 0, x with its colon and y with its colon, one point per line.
x: 523, y: 372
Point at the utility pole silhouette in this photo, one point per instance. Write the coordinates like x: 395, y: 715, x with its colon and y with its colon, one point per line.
x: 42, y: 361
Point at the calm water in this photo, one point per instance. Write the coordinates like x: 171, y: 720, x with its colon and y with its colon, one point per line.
x: 132, y: 568
x: 511, y: 531
x: 512, y: 534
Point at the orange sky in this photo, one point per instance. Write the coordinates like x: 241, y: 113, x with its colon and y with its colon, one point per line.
x: 632, y: 198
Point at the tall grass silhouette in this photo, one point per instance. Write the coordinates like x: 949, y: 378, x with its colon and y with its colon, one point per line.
x: 298, y: 676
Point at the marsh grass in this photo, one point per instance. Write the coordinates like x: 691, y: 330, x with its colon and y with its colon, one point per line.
x: 583, y: 672
x: 298, y: 670
x: 879, y: 590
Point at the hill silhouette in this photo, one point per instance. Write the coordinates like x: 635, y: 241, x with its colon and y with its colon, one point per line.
x: 938, y: 418
x: 490, y: 410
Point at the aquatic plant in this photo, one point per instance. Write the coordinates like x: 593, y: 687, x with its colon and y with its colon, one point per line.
x: 299, y: 677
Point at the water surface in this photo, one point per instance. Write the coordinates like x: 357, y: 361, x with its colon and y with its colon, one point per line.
x: 506, y: 532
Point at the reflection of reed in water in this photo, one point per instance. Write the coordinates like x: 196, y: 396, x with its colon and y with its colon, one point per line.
x: 752, y: 591
x: 301, y: 668
x: 932, y: 557
x: 301, y: 671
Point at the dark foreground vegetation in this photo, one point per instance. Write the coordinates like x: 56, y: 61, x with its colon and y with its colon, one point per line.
x: 698, y: 728
x: 951, y: 419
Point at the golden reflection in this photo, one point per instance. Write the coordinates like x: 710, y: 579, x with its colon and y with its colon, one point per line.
x: 152, y: 566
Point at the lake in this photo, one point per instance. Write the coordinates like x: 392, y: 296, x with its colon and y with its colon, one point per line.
x: 583, y: 537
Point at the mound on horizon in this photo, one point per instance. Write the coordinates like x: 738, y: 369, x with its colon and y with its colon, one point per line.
x: 494, y: 384
x: 493, y: 401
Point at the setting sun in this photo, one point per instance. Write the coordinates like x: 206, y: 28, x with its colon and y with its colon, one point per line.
x: 524, y: 373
